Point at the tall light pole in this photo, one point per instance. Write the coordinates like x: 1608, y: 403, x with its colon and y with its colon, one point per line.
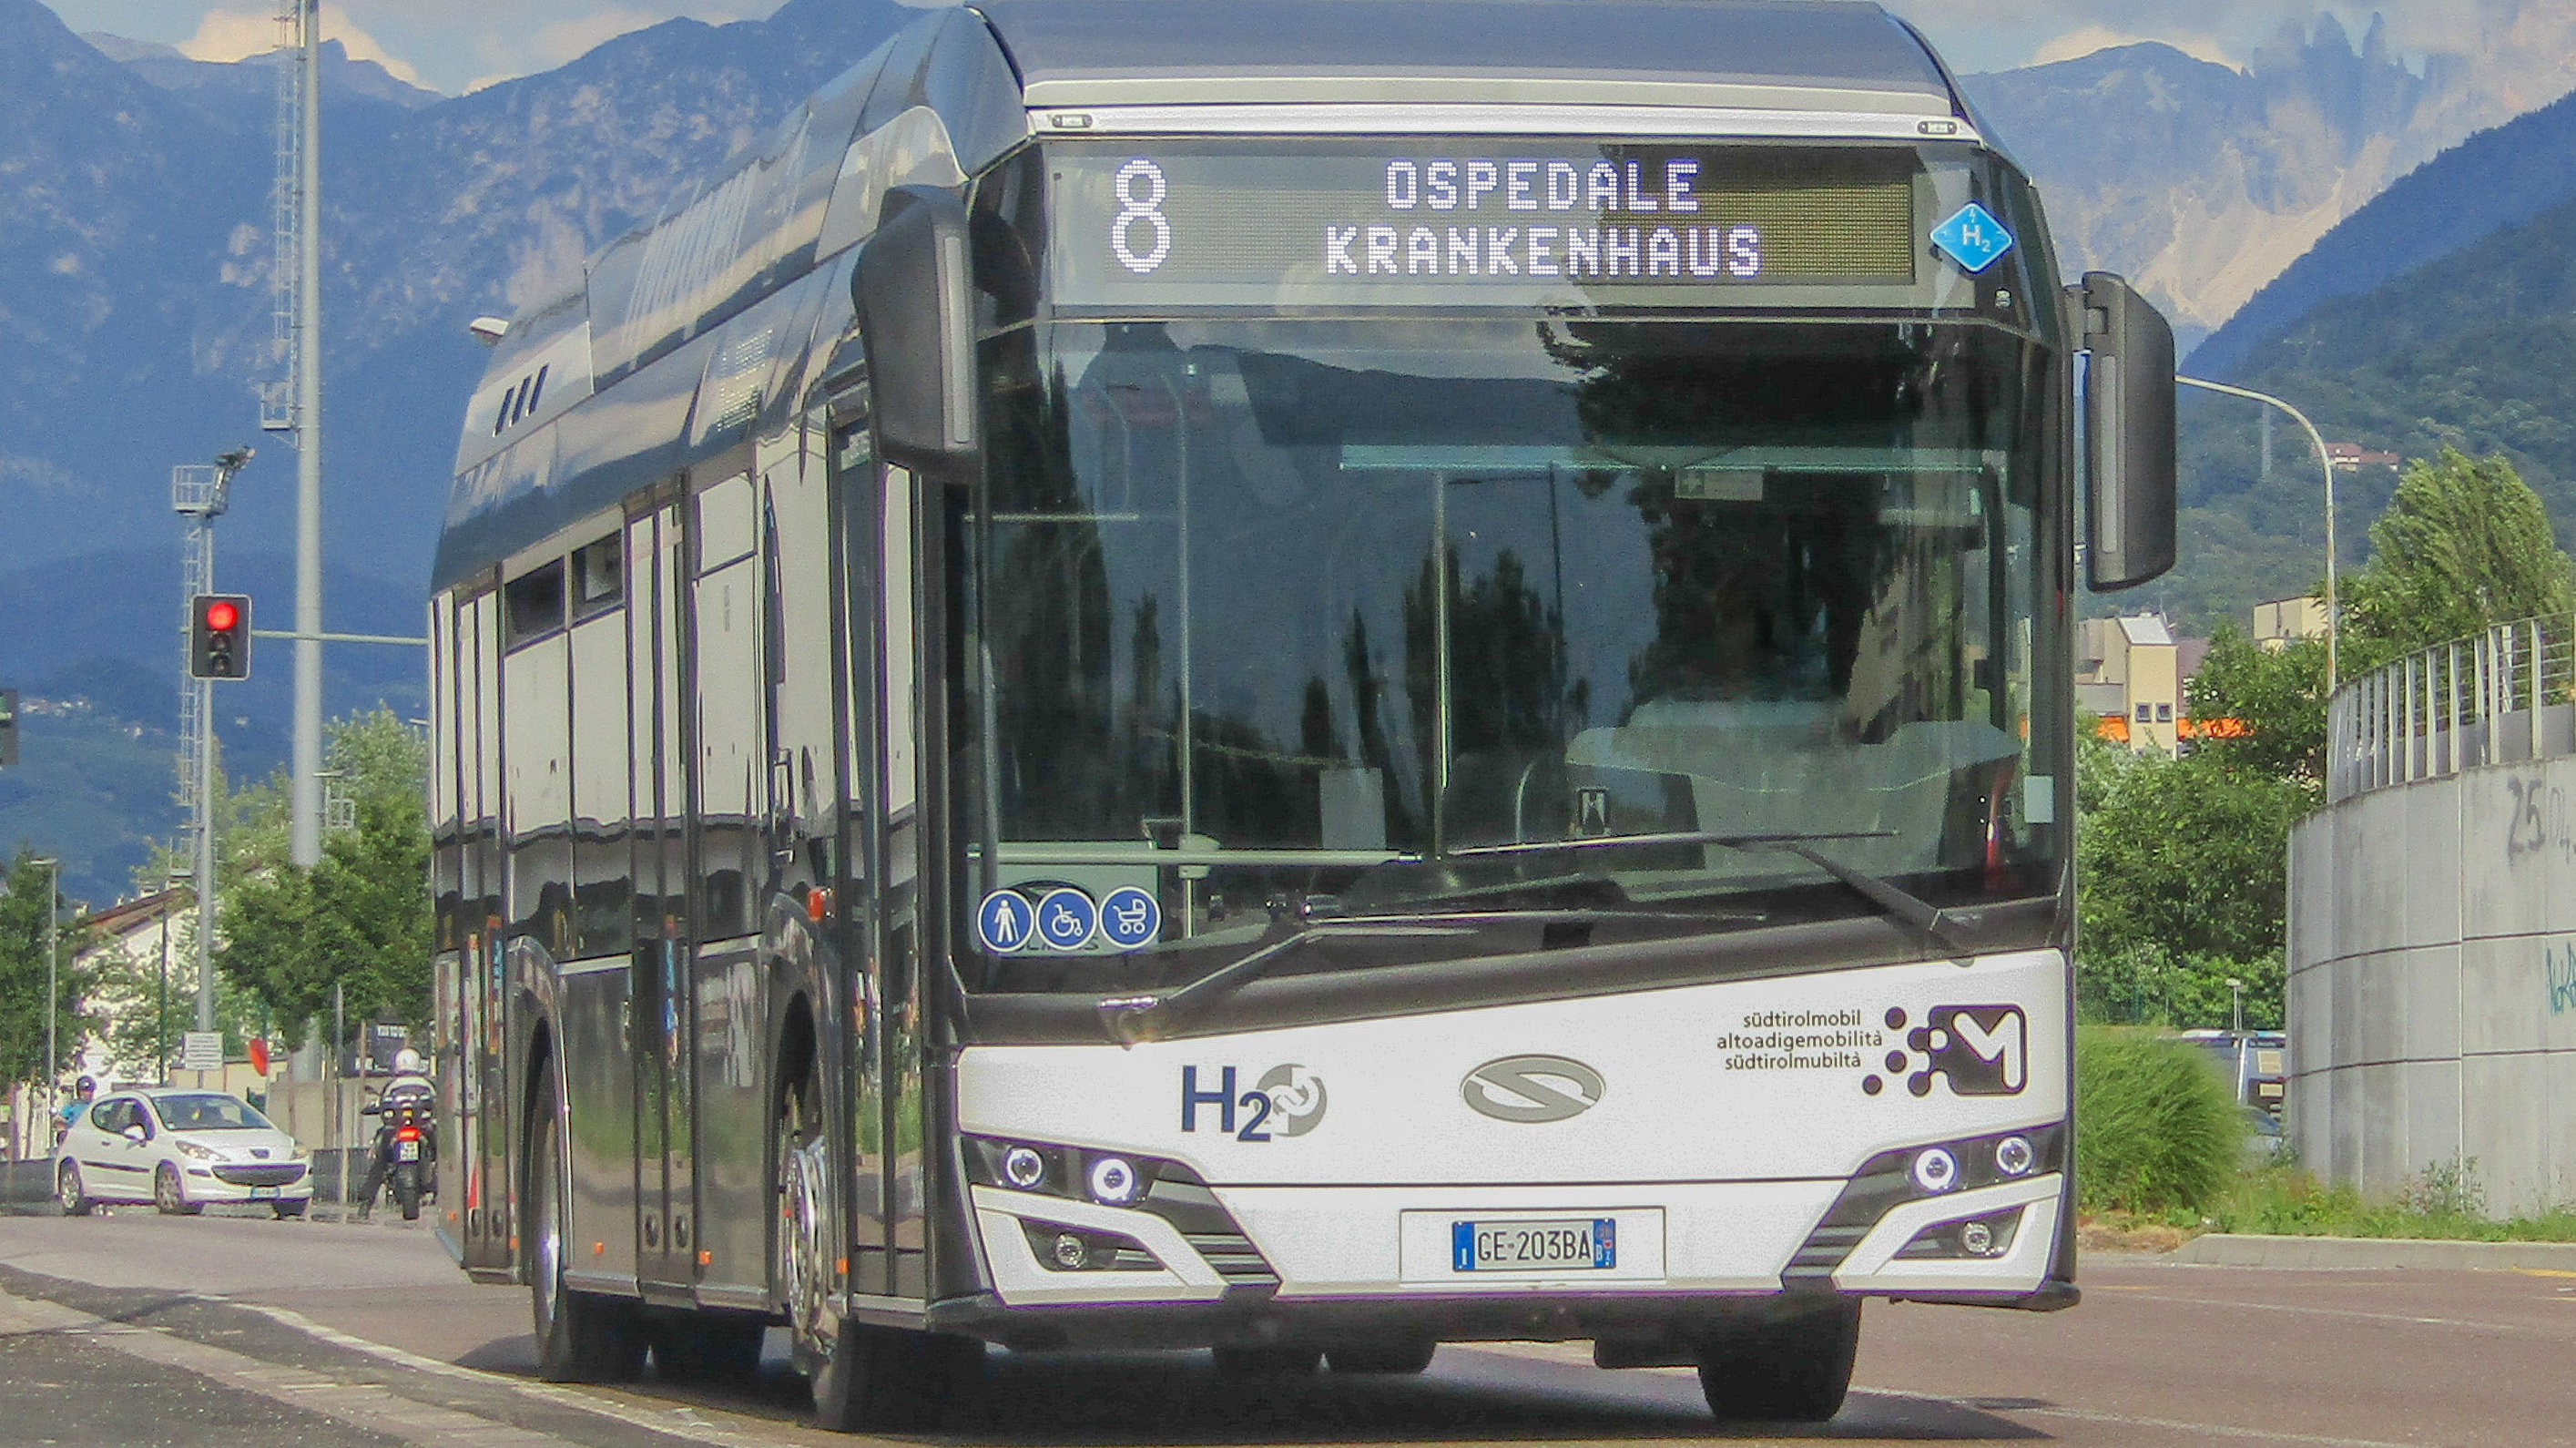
x: 2325, y: 460
x: 53, y: 1009
x: 306, y: 834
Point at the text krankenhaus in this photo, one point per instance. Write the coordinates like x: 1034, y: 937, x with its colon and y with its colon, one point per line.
x: 1690, y: 244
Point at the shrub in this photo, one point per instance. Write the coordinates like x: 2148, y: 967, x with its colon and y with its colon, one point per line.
x: 2155, y: 1126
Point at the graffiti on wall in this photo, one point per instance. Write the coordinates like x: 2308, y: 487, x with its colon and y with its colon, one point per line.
x: 2558, y: 961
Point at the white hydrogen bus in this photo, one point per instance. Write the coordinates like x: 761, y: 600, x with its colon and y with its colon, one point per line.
x: 1292, y: 677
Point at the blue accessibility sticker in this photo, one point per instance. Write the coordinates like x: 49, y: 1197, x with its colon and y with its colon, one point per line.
x: 1005, y: 921
x: 1130, y: 918
x: 1973, y: 238
x: 1066, y: 918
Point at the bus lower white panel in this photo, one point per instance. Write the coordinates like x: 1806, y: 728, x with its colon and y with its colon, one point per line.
x: 1338, y: 1242
x: 1024, y: 1281
x: 1874, y: 1265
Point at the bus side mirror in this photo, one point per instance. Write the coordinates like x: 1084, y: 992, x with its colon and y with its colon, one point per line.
x: 914, y: 292
x: 2128, y: 433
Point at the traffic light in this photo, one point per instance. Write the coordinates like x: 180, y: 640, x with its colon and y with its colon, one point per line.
x: 219, y: 636
x: 8, y: 728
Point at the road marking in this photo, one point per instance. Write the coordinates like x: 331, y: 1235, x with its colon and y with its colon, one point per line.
x: 363, y: 1406
x: 2344, y: 1312
x: 2543, y: 1272
x: 682, y: 1423
x: 2170, y: 1425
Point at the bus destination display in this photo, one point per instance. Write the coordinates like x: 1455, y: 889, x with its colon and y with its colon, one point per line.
x: 1190, y: 224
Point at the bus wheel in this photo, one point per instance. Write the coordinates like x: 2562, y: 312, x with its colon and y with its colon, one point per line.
x: 885, y: 1378
x: 805, y: 1258
x: 1792, y: 1369
x: 581, y: 1338
x: 1381, y: 1357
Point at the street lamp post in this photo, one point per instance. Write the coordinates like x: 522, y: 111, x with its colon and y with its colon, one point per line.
x: 2334, y: 620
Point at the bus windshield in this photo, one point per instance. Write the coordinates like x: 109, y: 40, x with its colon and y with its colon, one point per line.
x: 1284, y: 619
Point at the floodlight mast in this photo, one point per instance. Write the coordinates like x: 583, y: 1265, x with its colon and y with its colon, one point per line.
x: 306, y: 842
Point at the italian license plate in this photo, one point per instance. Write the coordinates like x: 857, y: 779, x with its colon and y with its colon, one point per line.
x: 261, y: 1194
x: 407, y: 1151
x: 1582, y: 1244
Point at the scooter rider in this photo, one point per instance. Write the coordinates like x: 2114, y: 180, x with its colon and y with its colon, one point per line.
x: 408, y: 1086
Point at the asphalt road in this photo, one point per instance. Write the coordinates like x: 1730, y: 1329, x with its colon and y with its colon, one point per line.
x: 193, y: 1333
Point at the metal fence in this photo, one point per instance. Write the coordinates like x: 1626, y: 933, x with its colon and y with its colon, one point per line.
x: 2494, y: 698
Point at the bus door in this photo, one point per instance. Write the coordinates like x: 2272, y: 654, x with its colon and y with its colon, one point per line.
x: 659, y: 993
x: 731, y: 865
x: 483, y: 1155
x: 884, y: 1072
x: 898, y: 982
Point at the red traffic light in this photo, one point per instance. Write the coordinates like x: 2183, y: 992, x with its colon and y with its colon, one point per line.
x: 219, y: 636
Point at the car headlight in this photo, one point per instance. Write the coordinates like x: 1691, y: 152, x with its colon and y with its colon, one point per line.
x: 199, y: 1153
x: 302, y: 1153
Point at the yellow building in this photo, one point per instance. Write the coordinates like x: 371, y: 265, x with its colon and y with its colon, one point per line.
x: 2130, y: 669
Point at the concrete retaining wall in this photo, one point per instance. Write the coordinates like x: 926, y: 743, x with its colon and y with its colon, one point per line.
x: 2432, y: 989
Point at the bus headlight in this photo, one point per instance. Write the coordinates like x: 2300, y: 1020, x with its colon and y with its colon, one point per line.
x: 2013, y: 1156
x: 1936, y: 1170
x: 1114, y: 1182
x: 1023, y: 1167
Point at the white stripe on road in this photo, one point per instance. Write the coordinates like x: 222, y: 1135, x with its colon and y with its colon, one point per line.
x: 2169, y: 1425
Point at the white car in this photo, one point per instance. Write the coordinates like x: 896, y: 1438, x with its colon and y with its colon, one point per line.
x: 179, y: 1150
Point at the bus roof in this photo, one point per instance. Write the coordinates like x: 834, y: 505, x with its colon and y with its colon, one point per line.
x: 1838, y: 53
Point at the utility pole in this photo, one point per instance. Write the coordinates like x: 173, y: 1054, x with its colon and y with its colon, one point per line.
x: 296, y: 406
x: 53, y: 1007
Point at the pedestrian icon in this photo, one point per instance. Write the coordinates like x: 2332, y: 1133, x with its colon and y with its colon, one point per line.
x: 1129, y: 918
x: 1004, y: 921
x: 1973, y: 238
x: 1066, y: 919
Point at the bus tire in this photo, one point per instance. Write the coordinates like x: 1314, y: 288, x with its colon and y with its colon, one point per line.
x: 891, y: 1379
x: 1789, y: 1369
x: 581, y: 1337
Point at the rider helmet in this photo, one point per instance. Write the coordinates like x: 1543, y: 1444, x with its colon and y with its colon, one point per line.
x: 407, y: 1061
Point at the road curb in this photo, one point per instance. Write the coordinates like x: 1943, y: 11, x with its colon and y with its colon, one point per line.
x: 2246, y: 1249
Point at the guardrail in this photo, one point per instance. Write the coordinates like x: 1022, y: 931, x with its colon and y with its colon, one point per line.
x: 2499, y: 697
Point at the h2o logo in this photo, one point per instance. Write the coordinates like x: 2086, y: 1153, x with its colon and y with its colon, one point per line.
x: 1141, y: 189
x: 1287, y: 1100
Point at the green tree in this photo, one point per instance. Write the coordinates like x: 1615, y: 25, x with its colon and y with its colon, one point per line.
x: 28, y: 889
x: 2465, y: 544
x: 359, y: 920
x: 2183, y: 866
x: 2279, y: 696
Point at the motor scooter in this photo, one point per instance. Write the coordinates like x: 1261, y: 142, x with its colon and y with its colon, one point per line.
x: 405, y: 1150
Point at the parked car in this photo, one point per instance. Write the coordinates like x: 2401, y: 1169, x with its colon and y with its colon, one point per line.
x: 179, y: 1150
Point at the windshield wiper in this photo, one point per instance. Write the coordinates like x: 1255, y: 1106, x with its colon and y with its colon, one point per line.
x: 1732, y: 839
x: 1902, y: 905
x: 1130, y: 1019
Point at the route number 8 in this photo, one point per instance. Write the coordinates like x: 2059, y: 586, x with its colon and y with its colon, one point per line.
x: 1141, y: 203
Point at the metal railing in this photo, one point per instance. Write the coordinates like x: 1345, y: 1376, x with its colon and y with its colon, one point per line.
x: 2494, y: 698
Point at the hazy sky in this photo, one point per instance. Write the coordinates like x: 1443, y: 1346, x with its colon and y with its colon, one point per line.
x: 455, y: 45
